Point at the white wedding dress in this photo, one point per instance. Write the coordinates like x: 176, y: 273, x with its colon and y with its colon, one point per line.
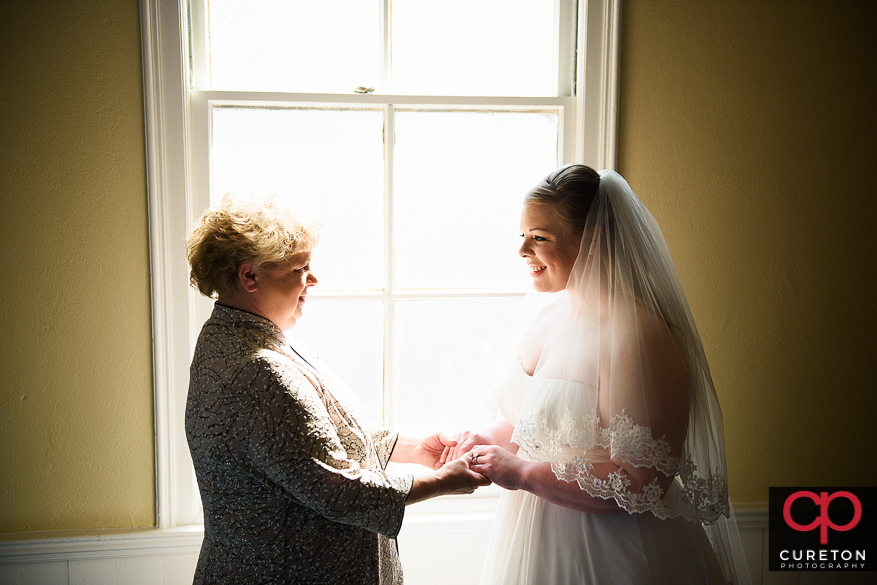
x: 536, y: 542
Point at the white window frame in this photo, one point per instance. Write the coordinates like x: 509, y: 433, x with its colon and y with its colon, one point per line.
x: 178, y: 186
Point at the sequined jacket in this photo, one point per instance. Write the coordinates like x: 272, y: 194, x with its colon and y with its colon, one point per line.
x: 293, y: 486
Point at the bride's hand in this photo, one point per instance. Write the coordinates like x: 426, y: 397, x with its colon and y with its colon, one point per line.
x: 498, y: 465
x: 465, y: 441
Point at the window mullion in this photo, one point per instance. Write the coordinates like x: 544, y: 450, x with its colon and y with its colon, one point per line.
x: 389, y: 398
x: 200, y: 46
x: 565, y: 25
x: 386, y: 49
x: 267, y: 98
x: 418, y: 295
x: 566, y: 147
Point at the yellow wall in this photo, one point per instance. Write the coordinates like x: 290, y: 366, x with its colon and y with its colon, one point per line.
x: 747, y: 128
x: 76, y: 440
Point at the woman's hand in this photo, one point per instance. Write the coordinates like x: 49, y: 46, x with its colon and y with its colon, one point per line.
x: 498, y: 465
x: 457, y: 477
x: 454, y: 478
x: 499, y: 433
x: 464, y: 441
x: 432, y: 451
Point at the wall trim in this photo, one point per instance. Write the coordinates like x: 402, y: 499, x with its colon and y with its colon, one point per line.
x: 752, y: 519
x: 66, y: 545
x: 597, y: 83
x: 165, y: 95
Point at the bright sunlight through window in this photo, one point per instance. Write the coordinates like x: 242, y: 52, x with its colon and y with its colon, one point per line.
x: 420, y: 201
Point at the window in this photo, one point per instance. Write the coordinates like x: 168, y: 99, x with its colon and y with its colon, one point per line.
x: 413, y: 133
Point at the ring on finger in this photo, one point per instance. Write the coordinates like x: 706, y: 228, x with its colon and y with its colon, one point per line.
x: 474, y: 458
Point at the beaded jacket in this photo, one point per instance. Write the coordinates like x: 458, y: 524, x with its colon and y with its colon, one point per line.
x: 292, y: 481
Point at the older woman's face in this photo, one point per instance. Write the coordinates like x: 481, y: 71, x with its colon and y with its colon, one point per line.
x: 549, y: 252
x: 281, y: 291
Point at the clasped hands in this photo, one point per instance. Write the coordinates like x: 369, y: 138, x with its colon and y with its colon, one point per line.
x: 479, y: 451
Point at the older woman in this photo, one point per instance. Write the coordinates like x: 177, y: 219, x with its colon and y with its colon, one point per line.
x: 292, y: 479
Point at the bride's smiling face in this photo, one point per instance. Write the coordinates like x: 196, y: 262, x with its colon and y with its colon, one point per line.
x: 549, y: 251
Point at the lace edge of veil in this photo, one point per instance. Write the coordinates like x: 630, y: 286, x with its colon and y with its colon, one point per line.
x: 693, y: 495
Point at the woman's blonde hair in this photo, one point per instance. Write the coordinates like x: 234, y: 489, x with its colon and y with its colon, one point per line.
x: 261, y: 230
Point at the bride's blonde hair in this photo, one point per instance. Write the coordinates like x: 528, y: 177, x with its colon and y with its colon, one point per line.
x: 570, y: 190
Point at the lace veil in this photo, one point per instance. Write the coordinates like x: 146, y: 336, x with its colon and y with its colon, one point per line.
x: 639, y: 390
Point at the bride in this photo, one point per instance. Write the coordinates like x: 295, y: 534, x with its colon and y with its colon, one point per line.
x: 610, y: 444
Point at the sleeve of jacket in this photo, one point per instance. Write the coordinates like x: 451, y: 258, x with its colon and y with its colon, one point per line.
x: 287, y: 437
x: 385, y: 441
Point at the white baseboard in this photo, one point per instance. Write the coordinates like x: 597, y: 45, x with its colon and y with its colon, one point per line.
x: 442, y: 541
x: 78, y: 545
x: 109, y: 557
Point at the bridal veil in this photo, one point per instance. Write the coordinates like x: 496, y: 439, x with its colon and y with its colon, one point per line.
x: 624, y: 327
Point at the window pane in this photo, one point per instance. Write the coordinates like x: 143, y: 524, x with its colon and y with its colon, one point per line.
x: 474, y: 47
x: 347, y: 337
x: 460, y: 178
x: 331, y: 160
x: 446, y: 354
x: 307, y: 46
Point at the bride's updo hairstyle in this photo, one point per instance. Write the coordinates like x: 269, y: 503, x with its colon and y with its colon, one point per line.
x: 262, y: 230
x: 570, y: 190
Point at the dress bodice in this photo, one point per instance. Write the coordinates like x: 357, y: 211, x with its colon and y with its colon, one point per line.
x: 523, y: 395
x: 545, y: 411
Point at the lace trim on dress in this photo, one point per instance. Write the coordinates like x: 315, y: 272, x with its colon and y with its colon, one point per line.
x: 697, y: 498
